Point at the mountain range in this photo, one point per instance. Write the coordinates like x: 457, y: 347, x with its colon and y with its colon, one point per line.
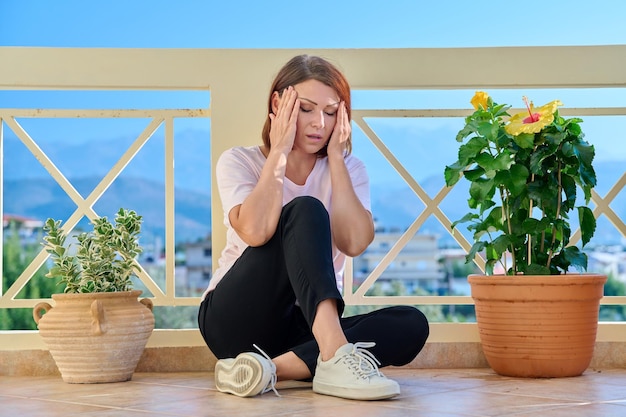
x: 28, y: 189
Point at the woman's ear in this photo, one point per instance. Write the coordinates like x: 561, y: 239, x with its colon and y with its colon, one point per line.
x: 275, y: 101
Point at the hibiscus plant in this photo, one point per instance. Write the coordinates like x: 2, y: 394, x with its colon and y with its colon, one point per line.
x: 524, y: 172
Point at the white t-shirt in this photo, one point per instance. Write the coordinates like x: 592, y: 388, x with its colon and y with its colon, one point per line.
x: 237, y: 173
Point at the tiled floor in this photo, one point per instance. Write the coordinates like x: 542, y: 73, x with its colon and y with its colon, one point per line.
x: 425, y: 393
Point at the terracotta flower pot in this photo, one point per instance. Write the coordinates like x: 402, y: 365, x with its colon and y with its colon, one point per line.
x: 96, y: 337
x: 538, y: 326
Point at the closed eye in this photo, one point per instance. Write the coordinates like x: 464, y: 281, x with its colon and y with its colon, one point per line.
x: 328, y: 113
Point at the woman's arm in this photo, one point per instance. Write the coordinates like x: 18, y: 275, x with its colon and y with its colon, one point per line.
x: 255, y: 220
x: 351, y: 224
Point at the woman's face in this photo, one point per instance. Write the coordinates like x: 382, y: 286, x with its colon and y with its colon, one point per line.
x: 317, y: 115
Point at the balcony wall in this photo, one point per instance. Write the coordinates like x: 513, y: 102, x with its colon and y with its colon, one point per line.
x: 238, y: 81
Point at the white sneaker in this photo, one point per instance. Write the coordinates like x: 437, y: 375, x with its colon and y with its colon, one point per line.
x: 246, y: 375
x: 353, y: 373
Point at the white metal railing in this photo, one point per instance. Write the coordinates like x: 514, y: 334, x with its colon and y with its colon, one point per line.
x: 358, y: 297
x: 84, y: 206
x: 238, y: 80
x: 158, y: 117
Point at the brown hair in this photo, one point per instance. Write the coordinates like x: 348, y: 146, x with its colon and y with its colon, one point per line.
x: 303, y: 68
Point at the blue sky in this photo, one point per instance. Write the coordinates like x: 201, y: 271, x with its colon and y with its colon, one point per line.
x: 307, y: 24
x: 298, y: 24
x: 310, y: 24
x: 301, y: 24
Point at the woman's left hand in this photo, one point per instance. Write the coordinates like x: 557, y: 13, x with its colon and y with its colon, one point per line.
x: 339, y: 138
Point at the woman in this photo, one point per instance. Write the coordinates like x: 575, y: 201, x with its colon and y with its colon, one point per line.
x: 294, y: 208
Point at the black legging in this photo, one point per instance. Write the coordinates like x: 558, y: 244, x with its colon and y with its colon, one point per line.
x: 270, y: 295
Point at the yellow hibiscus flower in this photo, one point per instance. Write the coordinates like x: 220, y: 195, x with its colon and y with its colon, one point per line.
x: 534, y: 120
x: 480, y: 99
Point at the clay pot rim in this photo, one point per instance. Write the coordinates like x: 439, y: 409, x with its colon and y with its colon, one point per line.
x: 100, y: 295
x: 569, y: 278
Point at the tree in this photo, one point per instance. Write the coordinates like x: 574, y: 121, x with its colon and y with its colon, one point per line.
x: 613, y: 286
x: 15, y: 258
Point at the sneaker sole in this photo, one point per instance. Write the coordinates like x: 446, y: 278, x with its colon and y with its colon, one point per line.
x: 240, y: 377
x: 379, y: 393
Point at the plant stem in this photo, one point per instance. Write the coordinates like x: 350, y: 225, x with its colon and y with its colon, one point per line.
x: 543, y: 233
x: 530, y: 215
x: 507, y: 220
x: 558, y: 212
x: 530, y: 246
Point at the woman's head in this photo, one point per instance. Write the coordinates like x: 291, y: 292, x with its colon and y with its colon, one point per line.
x: 303, y: 68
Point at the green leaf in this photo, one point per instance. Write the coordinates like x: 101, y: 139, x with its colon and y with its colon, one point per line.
x: 545, y: 196
x: 525, y: 140
x: 469, y: 151
x: 485, y: 226
x: 535, y: 269
x: 587, y: 176
x: 488, y: 130
x: 481, y: 189
x: 584, y: 151
x: 501, y: 244
x: 476, y: 248
x: 537, y: 158
x: 495, y: 215
x: 467, y: 130
x: 502, y: 160
x: 587, y: 223
x: 569, y: 189
x: 468, y: 217
x: 452, y: 174
x: 491, y: 253
x: 486, y: 205
x: 516, y: 179
x: 555, y: 138
x: 575, y: 258
x: 532, y: 225
x: 474, y: 174
x: 484, y: 159
x: 573, y: 126
x: 501, y: 110
x: 489, y: 265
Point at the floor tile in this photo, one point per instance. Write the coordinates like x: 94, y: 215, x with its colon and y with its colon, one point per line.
x: 425, y: 392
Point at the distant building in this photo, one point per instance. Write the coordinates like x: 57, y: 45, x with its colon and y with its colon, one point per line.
x: 610, y: 261
x: 199, y: 264
x: 28, y: 229
x: 416, y: 266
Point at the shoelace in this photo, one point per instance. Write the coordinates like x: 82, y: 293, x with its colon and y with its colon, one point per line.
x: 365, y: 361
x: 271, y: 386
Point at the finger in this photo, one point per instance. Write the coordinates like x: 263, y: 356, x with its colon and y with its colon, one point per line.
x: 287, y: 100
x: 281, y: 101
x: 346, y: 120
x: 295, y: 110
x: 341, y: 122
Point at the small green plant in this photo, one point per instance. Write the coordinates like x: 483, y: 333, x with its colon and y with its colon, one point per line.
x: 104, y: 260
x: 524, y: 172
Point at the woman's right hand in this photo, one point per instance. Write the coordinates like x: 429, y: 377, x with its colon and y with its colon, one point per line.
x: 283, y: 121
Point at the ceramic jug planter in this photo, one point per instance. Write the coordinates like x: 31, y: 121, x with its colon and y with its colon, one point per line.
x: 96, y: 337
x: 538, y: 326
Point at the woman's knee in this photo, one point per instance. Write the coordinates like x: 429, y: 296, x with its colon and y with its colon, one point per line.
x: 414, y: 323
x: 305, y: 203
x: 305, y: 209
